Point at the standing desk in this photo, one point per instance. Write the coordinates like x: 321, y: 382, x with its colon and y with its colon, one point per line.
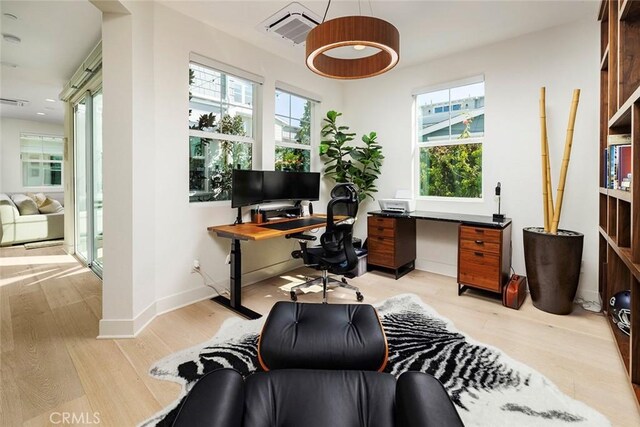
x: 251, y: 231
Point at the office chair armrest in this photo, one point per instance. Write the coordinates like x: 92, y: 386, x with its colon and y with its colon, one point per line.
x: 301, y: 236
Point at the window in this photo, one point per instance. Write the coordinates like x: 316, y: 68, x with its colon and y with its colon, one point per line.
x: 293, y: 124
x: 41, y: 157
x: 221, y: 130
x: 449, y: 135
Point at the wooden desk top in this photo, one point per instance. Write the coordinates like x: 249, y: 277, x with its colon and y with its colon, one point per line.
x: 253, y: 231
x: 465, y: 219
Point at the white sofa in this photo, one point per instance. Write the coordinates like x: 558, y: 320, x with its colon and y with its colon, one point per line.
x: 16, y: 228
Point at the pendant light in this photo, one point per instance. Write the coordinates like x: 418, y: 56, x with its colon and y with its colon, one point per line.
x: 358, y: 32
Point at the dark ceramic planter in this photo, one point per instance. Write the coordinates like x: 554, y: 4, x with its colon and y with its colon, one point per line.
x: 553, y: 268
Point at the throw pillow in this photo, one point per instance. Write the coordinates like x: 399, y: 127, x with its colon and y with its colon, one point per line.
x: 39, y: 198
x: 25, y: 204
x: 51, y: 206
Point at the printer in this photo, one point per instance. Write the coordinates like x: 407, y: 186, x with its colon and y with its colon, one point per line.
x: 402, y: 203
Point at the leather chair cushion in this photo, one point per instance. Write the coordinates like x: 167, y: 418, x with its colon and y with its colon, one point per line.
x: 321, y: 336
x: 294, y: 398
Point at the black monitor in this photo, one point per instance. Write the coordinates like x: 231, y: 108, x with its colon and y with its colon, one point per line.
x: 246, y: 188
x: 278, y: 186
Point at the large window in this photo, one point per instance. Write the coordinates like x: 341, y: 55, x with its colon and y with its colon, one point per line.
x: 450, y: 133
x: 42, y: 158
x: 293, y: 124
x: 221, y: 130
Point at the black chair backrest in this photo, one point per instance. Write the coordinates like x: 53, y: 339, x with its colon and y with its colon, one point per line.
x: 337, y: 240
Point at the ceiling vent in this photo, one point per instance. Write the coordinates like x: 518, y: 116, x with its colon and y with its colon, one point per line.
x: 291, y: 24
x: 14, y: 102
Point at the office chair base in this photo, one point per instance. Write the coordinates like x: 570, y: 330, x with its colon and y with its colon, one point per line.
x: 342, y: 283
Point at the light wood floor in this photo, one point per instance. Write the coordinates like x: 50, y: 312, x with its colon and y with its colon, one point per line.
x: 51, y: 362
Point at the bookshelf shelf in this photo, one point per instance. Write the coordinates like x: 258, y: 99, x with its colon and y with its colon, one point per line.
x: 619, y: 210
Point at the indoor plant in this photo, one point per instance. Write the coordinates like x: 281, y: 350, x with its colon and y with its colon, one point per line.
x: 552, y: 256
x: 345, y: 163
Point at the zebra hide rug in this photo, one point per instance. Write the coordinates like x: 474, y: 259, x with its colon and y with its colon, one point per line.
x: 487, y: 386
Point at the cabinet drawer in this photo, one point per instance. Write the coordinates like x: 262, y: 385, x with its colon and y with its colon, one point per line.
x: 381, y: 251
x: 378, y: 221
x: 480, y: 246
x: 378, y: 231
x: 480, y: 269
x: 487, y: 235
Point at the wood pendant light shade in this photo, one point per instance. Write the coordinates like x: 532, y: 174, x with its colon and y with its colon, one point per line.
x: 352, y: 31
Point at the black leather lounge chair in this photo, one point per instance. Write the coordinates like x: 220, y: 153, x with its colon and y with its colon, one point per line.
x: 323, y: 368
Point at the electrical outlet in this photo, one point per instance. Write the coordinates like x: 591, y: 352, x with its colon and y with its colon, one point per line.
x: 196, y: 264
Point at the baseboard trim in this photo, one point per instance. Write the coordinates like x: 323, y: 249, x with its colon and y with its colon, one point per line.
x: 130, y: 328
x: 442, y: 268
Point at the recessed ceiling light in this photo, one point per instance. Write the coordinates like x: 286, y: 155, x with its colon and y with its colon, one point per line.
x: 8, y: 64
x: 10, y: 16
x: 50, y: 100
x: 40, y: 114
x: 11, y: 38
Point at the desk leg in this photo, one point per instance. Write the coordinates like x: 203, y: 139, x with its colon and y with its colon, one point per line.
x: 234, y: 303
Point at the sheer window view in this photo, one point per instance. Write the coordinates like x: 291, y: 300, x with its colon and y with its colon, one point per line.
x: 41, y: 157
x: 450, y: 132
x: 293, y: 132
x: 221, y: 131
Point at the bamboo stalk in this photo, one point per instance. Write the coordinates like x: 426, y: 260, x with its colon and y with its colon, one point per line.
x: 549, y: 185
x: 565, y: 161
x: 545, y: 158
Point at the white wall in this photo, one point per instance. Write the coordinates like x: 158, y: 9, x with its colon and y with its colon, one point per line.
x: 10, y: 164
x: 152, y: 232
x: 561, y: 59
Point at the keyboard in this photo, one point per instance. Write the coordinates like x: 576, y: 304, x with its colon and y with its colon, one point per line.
x: 290, y: 225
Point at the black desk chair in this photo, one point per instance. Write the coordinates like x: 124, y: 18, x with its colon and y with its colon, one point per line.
x: 336, y: 254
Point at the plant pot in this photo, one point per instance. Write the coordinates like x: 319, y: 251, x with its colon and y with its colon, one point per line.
x: 553, y: 268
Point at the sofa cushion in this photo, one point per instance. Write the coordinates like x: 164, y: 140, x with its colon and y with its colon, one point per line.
x: 25, y: 204
x: 39, y: 198
x: 50, y: 206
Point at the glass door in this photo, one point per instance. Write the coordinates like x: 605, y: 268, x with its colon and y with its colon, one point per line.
x: 97, y: 181
x: 80, y: 156
x: 88, y: 179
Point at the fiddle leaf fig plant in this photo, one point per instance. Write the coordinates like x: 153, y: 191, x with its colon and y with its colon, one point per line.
x: 345, y: 163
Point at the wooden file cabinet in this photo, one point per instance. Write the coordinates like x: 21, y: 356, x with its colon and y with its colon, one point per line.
x: 483, y: 257
x: 391, y: 244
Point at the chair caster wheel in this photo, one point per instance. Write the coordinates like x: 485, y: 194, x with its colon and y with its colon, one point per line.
x: 294, y: 296
x: 344, y: 280
x: 359, y: 297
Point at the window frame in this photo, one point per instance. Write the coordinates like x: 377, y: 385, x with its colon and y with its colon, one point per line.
x: 41, y: 161
x: 418, y: 145
x: 312, y: 125
x: 256, y: 131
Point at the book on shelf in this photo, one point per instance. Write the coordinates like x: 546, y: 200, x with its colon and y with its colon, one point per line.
x: 623, y: 139
x: 618, y: 167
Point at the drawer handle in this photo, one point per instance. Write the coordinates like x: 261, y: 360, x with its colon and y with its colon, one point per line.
x: 478, y: 253
x: 380, y: 238
x: 479, y: 230
x: 380, y: 228
x: 479, y: 242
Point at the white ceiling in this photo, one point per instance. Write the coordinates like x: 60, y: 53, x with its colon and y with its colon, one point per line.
x: 56, y: 37
x: 428, y: 29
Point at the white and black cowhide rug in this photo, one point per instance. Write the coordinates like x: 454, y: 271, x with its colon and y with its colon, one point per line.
x: 487, y: 386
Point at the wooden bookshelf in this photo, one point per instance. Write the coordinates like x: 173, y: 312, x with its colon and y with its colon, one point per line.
x: 619, y: 211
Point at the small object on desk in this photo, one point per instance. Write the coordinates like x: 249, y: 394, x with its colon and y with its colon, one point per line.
x: 257, y: 216
x: 499, y: 217
x: 403, y: 202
